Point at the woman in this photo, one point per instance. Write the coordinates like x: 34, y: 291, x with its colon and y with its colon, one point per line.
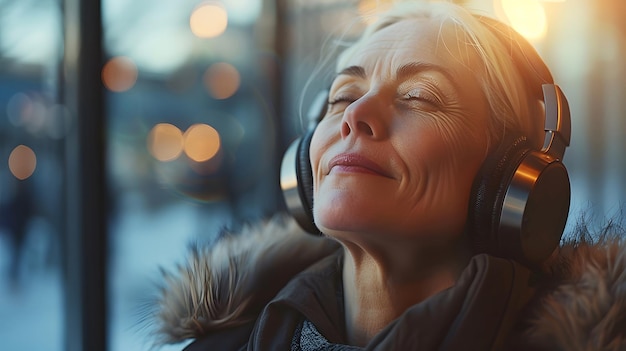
x: 421, y: 108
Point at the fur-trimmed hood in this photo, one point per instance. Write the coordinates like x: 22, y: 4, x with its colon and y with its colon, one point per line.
x: 581, y: 305
x: 227, y: 284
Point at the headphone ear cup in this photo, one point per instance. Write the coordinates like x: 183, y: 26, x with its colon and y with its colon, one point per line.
x: 296, y: 181
x: 296, y: 175
x: 488, y: 192
x: 305, y: 174
x: 521, y: 202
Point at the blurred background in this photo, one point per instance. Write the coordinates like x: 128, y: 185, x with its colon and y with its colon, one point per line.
x: 129, y: 129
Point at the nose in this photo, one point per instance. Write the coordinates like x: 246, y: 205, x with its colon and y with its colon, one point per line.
x: 364, y: 117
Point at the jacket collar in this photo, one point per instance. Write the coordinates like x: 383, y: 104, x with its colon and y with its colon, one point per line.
x: 477, y: 313
x: 582, y: 299
x: 227, y: 284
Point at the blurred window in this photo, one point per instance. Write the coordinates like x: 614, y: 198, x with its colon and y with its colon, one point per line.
x: 193, y: 135
x: 32, y: 128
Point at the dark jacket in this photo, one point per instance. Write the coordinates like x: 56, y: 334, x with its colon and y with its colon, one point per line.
x: 254, y: 290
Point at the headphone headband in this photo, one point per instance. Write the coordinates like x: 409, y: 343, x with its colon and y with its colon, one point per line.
x: 558, y: 125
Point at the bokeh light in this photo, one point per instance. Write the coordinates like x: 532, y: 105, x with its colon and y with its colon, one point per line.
x: 119, y: 74
x: 222, y: 80
x: 165, y: 142
x: 22, y: 162
x: 369, y: 9
x: 208, y: 20
x: 528, y: 17
x: 202, y: 142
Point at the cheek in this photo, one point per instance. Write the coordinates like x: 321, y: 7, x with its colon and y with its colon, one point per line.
x: 319, y: 144
x: 441, y: 166
x: 454, y: 143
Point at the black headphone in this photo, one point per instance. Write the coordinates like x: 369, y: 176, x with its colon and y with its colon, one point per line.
x: 520, y: 197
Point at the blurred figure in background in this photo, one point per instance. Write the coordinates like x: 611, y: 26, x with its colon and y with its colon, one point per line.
x: 16, y: 208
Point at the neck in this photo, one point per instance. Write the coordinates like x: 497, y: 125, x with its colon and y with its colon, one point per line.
x: 379, y: 287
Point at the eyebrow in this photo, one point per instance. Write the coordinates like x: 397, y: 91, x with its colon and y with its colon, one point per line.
x: 413, y: 68
x: 356, y: 71
x: 404, y: 71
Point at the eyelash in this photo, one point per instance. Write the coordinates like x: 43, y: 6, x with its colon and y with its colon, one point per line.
x: 420, y: 95
x: 424, y: 96
x: 340, y: 99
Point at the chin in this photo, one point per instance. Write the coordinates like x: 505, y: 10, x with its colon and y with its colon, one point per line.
x: 345, y: 210
x: 342, y: 220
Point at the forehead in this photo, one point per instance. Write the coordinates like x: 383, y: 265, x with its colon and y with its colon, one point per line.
x: 421, y: 40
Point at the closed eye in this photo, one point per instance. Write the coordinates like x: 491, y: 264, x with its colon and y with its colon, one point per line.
x: 341, y: 99
x: 424, y: 96
x: 340, y: 103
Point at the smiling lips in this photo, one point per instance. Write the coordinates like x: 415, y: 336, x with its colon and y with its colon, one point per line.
x: 355, y: 163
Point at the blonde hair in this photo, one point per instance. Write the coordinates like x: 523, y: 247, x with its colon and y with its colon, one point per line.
x: 516, y: 107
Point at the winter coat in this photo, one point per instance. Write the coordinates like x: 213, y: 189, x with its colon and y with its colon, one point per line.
x: 273, y: 287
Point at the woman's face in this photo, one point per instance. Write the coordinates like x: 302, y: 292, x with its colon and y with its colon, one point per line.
x: 404, y: 136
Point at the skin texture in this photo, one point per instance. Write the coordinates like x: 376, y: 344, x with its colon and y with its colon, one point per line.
x: 393, y: 163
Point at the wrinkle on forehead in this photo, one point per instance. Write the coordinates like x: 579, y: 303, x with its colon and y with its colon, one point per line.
x: 443, y: 40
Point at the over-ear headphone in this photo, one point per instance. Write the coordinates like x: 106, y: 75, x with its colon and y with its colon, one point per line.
x: 520, y: 198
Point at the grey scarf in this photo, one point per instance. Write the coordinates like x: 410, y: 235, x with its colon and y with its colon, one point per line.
x: 308, y: 338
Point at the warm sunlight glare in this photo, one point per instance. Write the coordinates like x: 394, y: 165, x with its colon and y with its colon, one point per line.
x: 528, y: 17
x: 222, y: 80
x: 165, y: 142
x: 22, y: 162
x: 119, y: 74
x: 368, y: 9
x: 202, y: 142
x: 208, y: 20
